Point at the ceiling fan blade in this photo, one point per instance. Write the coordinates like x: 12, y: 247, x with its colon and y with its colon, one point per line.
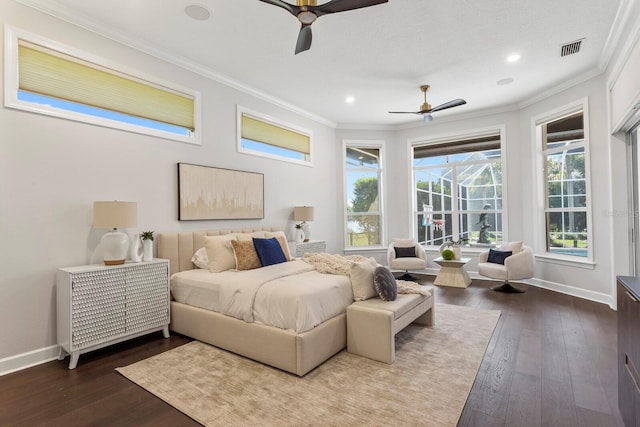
x: 304, y: 38
x: 450, y: 104
x: 292, y: 9
x: 335, y: 6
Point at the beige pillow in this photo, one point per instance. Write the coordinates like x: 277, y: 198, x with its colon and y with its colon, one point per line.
x: 362, y: 279
x: 282, y: 239
x: 404, y: 243
x: 220, y: 253
x: 250, y: 236
x: 513, y: 247
x: 245, y: 255
x: 200, y: 259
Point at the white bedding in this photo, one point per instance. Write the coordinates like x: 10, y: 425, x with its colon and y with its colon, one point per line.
x: 290, y: 295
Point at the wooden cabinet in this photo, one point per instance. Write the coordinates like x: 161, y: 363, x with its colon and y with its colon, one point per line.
x: 101, y: 305
x: 628, y: 289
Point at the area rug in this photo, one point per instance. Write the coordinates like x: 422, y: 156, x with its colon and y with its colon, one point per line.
x: 427, y: 385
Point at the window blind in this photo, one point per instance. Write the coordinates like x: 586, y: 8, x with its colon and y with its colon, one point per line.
x: 54, y: 74
x: 267, y: 133
x: 491, y: 142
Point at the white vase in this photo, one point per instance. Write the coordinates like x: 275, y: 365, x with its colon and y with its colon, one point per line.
x: 457, y: 252
x: 136, y: 249
x: 299, y: 235
x: 147, y: 254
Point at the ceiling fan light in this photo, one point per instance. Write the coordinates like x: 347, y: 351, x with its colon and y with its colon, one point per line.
x: 306, y: 18
x: 427, y: 118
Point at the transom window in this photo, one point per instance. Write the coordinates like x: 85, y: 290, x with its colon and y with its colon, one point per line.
x: 458, y: 190
x: 64, y: 82
x: 265, y: 136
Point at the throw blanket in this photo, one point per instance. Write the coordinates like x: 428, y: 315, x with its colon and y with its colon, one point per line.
x: 338, y: 264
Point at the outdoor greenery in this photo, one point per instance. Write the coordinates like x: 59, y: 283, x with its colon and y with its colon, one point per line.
x: 365, y: 199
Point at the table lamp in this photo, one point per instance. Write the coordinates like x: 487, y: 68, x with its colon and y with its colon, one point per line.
x: 304, y: 214
x: 114, y: 215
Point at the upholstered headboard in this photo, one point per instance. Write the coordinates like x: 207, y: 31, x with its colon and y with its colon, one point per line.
x: 179, y: 246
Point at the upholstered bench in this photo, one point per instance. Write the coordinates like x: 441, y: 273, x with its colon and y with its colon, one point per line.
x: 373, y: 323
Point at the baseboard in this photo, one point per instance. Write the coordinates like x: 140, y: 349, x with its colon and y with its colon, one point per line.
x: 26, y: 360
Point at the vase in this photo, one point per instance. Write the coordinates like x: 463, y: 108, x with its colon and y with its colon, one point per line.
x: 147, y: 253
x: 299, y: 235
x: 136, y: 250
x: 457, y: 252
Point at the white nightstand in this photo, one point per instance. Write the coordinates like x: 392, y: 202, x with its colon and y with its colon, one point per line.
x: 312, y: 246
x: 100, y: 305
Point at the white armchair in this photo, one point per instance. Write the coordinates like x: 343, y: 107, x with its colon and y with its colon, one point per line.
x: 405, y: 254
x: 517, y: 266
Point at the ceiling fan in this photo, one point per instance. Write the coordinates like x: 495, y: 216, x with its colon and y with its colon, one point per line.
x: 307, y: 11
x: 426, y: 110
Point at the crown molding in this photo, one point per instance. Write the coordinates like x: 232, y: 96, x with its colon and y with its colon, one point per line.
x: 623, y: 16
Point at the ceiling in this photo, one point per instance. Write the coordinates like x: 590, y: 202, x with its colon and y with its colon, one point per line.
x: 379, y: 55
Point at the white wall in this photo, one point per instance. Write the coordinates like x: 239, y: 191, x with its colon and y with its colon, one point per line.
x: 51, y: 171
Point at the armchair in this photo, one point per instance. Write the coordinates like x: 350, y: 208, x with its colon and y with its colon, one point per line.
x: 517, y: 266
x: 405, y: 254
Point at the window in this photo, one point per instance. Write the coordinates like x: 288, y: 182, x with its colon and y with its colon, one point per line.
x: 264, y: 136
x: 64, y: 82
x: 458, y: 190
x: 363, y: 178
x: 563, y: 145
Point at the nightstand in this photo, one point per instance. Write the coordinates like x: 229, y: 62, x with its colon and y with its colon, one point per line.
x: 312, y: 246
x: 100, y: 305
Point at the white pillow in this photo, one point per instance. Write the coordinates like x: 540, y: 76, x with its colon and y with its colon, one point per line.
x: 404, y: 243
x: 200, y: 258
x: 514, y: 247
x: 220, y: 252
x: 362, y: 279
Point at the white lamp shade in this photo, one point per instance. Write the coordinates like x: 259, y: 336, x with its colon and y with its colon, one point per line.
x: 115, y: 214
x: 303, y: 213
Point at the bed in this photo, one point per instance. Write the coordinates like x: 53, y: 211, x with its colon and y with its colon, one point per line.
x: 293, y: 349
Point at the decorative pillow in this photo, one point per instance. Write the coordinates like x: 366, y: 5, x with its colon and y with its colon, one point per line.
x: 405, y: 252
x: 245, y: 254
x: 498, y: 257
x: 282, y: 239
x: 250, y: 236
x: 220, y: 253
x: 200, y: 259
x: 361, y: 274
x: 514, y: 247
x: 404, y: 243
x: 385, y: 284
x: 269, y: 251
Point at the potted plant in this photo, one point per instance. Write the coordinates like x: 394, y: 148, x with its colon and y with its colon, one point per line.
x: 147, y: 245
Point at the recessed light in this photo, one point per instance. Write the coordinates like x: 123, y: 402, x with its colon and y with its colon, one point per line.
x: 350, y: 100
x: 513, y: 58
x: 506, y: 81
x: 197, y: 12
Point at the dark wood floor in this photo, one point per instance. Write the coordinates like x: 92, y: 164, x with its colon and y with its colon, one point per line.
x: 551, y: 362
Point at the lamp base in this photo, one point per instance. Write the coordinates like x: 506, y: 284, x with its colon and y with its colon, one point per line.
x: 115, y: 245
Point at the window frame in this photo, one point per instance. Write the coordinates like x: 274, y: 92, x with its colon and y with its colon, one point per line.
x: 240, y: 111
x: 498, y: 130
x: 366, y: 144
x: 11, y: 81
x: 540, y: 237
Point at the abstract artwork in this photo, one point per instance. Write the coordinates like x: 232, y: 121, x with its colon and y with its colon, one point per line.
x: 214, y: 193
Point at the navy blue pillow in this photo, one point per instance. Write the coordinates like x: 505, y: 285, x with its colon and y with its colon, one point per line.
x: 497, y: 257
x: 269, y: 251
x: 385, y: 284
x: 409, y: 252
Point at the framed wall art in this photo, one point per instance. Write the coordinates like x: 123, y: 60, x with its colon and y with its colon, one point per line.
x: 206, y: 193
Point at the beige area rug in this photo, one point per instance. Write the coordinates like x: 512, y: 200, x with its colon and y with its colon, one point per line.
x: 427, y: 385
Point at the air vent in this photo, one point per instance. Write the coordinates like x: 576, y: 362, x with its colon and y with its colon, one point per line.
x: 571, y: 48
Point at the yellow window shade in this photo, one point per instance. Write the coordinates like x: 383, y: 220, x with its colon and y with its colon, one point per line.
x: 267, y: 133
x: 54, y: 74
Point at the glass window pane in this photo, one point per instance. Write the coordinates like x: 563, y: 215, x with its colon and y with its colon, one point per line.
x: 363, y: 158
x: 434, y: 229
x: 567, y: 233
x: 363, y: 230
x: 362, y: 192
